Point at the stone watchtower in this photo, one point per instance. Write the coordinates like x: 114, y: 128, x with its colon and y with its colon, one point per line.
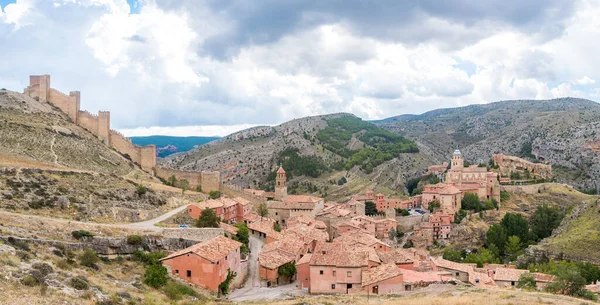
x: 457, y: 159
x: 280, y: 186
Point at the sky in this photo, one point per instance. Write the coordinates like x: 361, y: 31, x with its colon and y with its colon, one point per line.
x: 212, y: 67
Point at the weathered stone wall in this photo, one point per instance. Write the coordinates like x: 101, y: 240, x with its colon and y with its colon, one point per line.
x: 124, y: 145
x: 509, y: 164
x: 237, y: 191
x: 210, y: 181
x: 68, y: 104
x: 88, y: 121
x: 193, y: 178
x: 104, y: 126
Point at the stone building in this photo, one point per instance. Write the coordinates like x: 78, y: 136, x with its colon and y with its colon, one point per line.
x: 227, y: 209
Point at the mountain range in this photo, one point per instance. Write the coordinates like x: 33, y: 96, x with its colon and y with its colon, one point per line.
x: 168, y: 145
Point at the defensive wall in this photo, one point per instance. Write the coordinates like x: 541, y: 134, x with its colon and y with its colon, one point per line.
x: 39, y: 88
x: 509, y: 164
x: 237, y: 191
x: 209, y: 181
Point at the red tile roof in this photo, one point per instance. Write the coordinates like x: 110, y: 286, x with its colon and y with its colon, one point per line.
x: 508, y: 274
x: 380, y: 273
x: 213, y: 249
x: 280, y: 170
x: 274, y: 259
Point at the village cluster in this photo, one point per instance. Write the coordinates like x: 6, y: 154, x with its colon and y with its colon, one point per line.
x: 336, y: 248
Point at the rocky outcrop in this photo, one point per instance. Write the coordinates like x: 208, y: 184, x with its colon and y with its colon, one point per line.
x: 510, y: 164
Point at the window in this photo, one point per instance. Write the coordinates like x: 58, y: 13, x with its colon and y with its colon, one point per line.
x: 332, y: 286
x: 348, y: 273
x: 512, y: 283
x: 176, y: 271
x: 333, y: 272
x: 321, y: 272
x: 189, y: 273
x: 456, y: 273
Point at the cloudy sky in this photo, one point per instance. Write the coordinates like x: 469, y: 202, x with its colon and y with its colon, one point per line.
x: 211, y: 67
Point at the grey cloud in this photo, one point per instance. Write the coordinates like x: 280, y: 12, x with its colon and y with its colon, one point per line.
x: 137, y: 38
x: 260, y: 22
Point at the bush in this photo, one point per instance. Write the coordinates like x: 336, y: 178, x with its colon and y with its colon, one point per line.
x: 63, y: 264
x: 214, y: 194
x: 134, y: 240
x: 43, y: 268
x: 199, y: 189
x: 78, y: 234
x: 148, y: 258
x: 155, y: 276
x: 88, y: 258
x: 141, y: 189
x: 29, y: 280
x: 79, y: 283
x: 175, y: 291
x: 504, y: 195
x: 527, y: 281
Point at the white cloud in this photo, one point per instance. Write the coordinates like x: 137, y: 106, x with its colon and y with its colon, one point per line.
x: 158, y: 67
x: 584, y: 81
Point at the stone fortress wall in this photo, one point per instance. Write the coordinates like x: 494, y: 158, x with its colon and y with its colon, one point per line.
x: 509, y: 164
x: 99, y: 125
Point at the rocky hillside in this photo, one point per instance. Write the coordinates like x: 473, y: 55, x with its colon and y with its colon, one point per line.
x: 565, y: 132
x: 34, y: 134
x: 317, y: 152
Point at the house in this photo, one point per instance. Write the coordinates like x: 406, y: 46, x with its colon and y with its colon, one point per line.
x: 509, y: 277
x: 273, y: 256
x: 456, y: 270
x: 399, y: 257
x: 382, y: 203
x: 383, y: 279
x: 205, y: 264
x: 335, y: 268
x: 446, y: 194
x: 303, y: 269
x: 264, y: 229
x: 380, y: 228
x: 294, y: 205
x: 227, y: 209
x: 361, y: 239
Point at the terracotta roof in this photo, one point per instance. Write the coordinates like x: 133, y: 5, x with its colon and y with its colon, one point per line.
x: 209, y: 204
x: 264, y: 225
x: 358, y: 239
x: 592, y: 287
x: 305, y: 233
x: 480, y: 279
x: 255, y: 192
x: 274, y: 259
x: 411, y: 276
x: 241, y: 200
x: 336, y: 210
x: 380, y: 273
x: 281, y: 170
x: 542, y: 277
x: 508, y: 274
x: 335, y: 254
x: 305, y: 259
x: 301, y: 198
x: 449, y: 190
x: 289, y: 245
x: 228, y: 228
x: 252, y: 217
x: 395, y: 257
x: 213, y: 249
x: 440, y: 262
x: 227, y: 202
x: 288, y: 205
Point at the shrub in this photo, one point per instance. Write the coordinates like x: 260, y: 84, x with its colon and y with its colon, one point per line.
x: 527, y: 281
x: 63, y: 264
x: 155, y: 276
x: 148, y: 258
x: 175, y: 291
x: 134, y: 240
x: 141, y: 190
x: 88, y: 258
x: 199, y: 189
x: 79, y: 283
x: 44, y: 268
x: 504, y: 195
x: 208, y: 219
x: 214, y: 194
x: 78, y: 234
x: 29, y: 280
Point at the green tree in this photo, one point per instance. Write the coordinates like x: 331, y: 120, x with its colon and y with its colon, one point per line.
x: 184, y: 185
x: 515, y: 224
x: 513, y: 247
x: 208, y: 219
x: 214, y: 194
x: 242, y: 236
x: 526, y: 281
x: 488, y: 205
x: 544, y: 220
x: 172, y: 180
x: 504, y: 195
x: 88, y: 258
x: 155, y: 276
x: 454, y: 255
x: 276, y: 227
x: 471, y: 202
x: 263, y: 211
x: 568, y: 280
x: 435, y: 204
x: 482, y: 256
x: 370, y: 208
x: 287, y: 270
x: 460, y: 215
x: 496, y: 236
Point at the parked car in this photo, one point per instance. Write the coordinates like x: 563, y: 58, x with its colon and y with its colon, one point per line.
x: 184, y: 226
